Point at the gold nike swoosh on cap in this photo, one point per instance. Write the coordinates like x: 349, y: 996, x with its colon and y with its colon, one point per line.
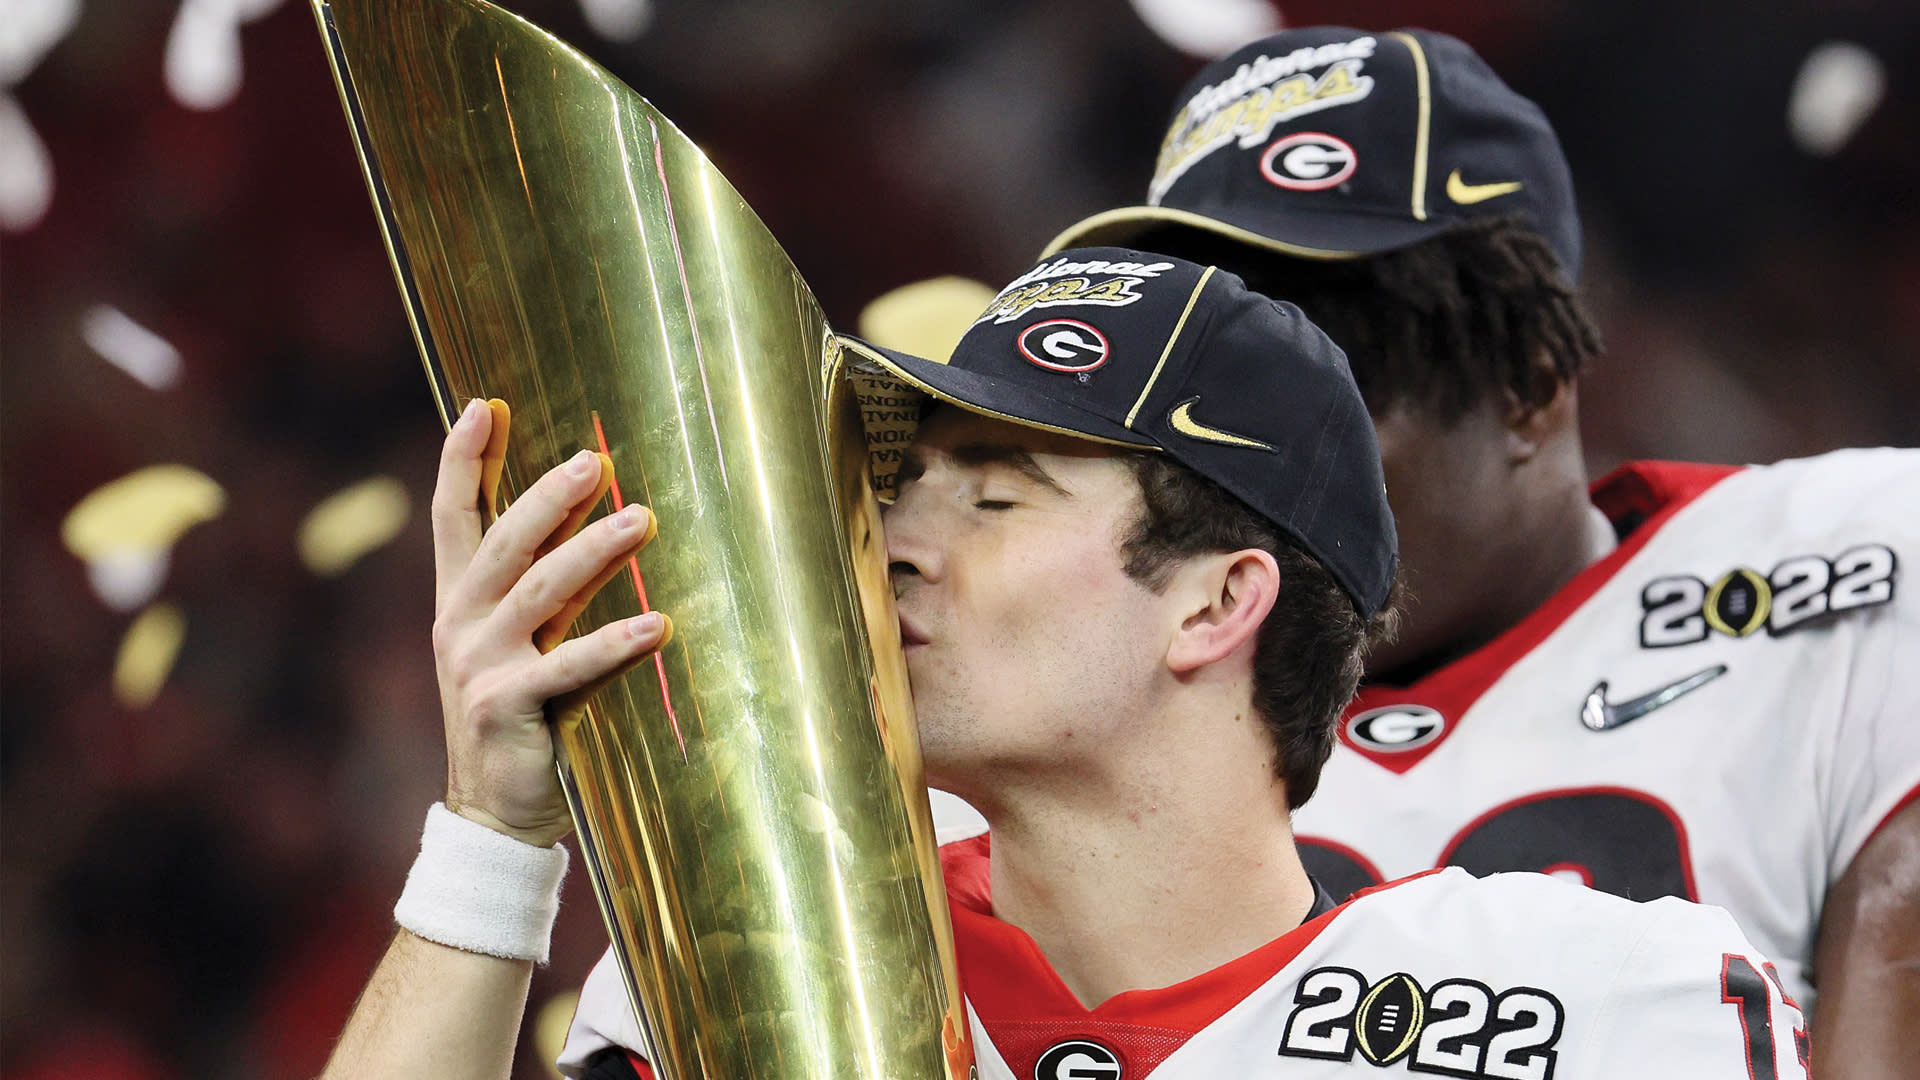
x: 1465, y: 194
x: 1183, y: 422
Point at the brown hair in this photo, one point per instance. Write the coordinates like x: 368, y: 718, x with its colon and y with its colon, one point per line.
x: 1480, y: 309
x: 1310, y: 653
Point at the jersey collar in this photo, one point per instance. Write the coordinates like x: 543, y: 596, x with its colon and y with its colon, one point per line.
x: 1638, y: 498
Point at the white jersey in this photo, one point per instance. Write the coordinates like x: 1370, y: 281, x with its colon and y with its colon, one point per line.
x: 1723, y: 709
x: 1511, y: 977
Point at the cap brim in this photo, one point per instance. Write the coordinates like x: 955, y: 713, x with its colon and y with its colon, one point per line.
x: 1000, y: 399
x: 1307, y: 236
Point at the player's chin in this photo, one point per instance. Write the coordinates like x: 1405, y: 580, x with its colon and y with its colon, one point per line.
x: 942, y: 753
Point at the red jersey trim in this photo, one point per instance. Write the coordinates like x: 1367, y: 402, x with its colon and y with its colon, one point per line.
x: 1639, y: 498
x: 1905, y: 801
x: 1384, y: 886
x: 1006, y: 976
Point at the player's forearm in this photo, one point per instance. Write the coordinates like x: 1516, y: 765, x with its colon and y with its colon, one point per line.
x: 434, y: 1011
x: 1863, y: 1018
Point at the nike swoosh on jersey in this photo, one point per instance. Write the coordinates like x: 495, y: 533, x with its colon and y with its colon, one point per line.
x: 1183, y: 422
x: 1465, y: 194
x: 1597, y: 714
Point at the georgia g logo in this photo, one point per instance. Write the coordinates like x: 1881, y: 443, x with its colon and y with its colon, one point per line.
x: 1067, y: 345
x: 1308, y: 161
x: 1395, y: 728
x: 1077, y: 1059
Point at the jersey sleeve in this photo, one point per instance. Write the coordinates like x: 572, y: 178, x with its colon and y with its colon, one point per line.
x: 602, y: 1021
x: 1692, y: 999
x: 1875, y: 754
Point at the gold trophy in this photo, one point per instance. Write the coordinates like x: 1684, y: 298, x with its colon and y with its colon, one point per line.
x: 750, y: 804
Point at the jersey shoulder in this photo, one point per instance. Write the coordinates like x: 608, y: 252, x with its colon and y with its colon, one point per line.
x: 1835, y: 496
x: 1512, y: 913
x: 1523, y: 929
x: 1790, y: 546
x: 1598, y: 983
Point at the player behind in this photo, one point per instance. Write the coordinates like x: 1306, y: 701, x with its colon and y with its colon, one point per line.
x: 1139, y: 547
x: 1687, y: 680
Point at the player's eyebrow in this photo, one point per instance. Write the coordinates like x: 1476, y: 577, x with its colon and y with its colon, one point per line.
x: 1013, y: 457
x: 912, y: 464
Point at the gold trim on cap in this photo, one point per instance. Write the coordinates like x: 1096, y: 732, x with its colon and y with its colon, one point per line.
x: 1168, y: 351
x: 932, y: 391
x: 1426, y: 123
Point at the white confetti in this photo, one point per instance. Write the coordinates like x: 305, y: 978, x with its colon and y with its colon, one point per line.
x: 28, y: 28
x: 618, y: 20
x: 126, y: 580
x: 203, y: 65
x: 1838, y: 87
x: 26, y: 170
x: 1207, y: 28
x: 131, y: 347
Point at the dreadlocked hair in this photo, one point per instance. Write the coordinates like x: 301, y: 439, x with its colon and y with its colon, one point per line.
x: 1311, y: 650
x: 1479, y: 310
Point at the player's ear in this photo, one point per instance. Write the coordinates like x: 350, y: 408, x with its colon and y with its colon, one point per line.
x: 1220, y: 600
x: 1532, y: 420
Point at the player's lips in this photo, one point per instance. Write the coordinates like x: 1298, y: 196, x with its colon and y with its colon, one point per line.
x: 911, y: 635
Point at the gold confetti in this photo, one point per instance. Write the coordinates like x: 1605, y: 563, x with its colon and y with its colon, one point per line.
x: 142, y: 512
x: 147, y: 654
x: 550, y: 1026
x: 352, y: 522
x: 927, y: 318
x: 125, y: 530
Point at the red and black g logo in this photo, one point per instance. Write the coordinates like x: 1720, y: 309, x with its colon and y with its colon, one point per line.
x: 1067, y: 345
x: 1396, y: 728
x: 1308, y: 161
x: 1077, y: 1059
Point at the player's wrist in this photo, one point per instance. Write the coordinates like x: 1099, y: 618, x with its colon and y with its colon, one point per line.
x: 479, y: 889
x: 542, y: 833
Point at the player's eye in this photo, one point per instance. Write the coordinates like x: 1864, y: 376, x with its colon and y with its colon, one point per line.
x: 992, y: 504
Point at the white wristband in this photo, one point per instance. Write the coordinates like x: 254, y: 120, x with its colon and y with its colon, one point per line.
x: 482, y: 891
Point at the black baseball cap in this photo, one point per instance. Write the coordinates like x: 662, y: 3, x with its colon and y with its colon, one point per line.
x: 1328, y: 142
x: 1141, y: 350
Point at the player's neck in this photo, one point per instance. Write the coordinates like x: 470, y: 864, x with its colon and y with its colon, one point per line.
x: 1157, y: 879
x: 1557, y: 532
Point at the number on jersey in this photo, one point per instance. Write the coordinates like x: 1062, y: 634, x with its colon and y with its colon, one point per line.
x: 1616, y: 840
x: 1742, y: 986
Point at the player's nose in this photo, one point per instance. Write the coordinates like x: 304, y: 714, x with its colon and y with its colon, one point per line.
x: 911, y: 553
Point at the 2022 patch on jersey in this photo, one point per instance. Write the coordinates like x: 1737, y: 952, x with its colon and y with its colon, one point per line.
x: 1720, y: 710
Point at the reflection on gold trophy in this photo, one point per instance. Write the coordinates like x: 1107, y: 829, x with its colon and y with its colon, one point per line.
x: 750, y: 804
